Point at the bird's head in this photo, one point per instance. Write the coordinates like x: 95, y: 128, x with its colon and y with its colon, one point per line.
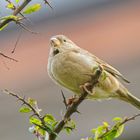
x: 61, y: 43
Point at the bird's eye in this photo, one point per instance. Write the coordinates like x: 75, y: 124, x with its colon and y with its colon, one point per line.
x: 64, y: 40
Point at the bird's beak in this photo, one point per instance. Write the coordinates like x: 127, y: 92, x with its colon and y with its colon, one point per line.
x: 55, y: 42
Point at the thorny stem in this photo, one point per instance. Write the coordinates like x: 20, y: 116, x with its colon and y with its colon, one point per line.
x: 64, y: 99
x: 73, y: 107
x: 46, y: 2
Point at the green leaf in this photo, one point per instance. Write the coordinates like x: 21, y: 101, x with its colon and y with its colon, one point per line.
x: 50, y: 121
x: 70, y: 125
x: 10, y: 17
x: 54, y: 124
x: 32, y: 102
x: 49, y: 118
x: 110, y: 135
x: 31, y: 9
x: 68, y: 130
x: 35, y: 121
x: 3, y: 27
x: 10, y: 6
x: 41, y: 131
x: 117, y: 119
x: 17, y: 1
x: 24, y: 109
x: 98, y: 131
x: 119, y: 131
x: 118, y: 127
x: 105, y: 124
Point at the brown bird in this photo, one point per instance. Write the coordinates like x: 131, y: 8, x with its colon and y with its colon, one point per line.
x: 71, y: 66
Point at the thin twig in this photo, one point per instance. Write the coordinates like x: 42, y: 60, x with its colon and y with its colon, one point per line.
x: 73, y: 107
x: 15, y: 13
x: 129, y: 119
x: 21, y: 7
x: 10, y: 58
x: 35, y: 110
x: 26, y: 28
x: 24, y: 102
x: 14, y: 7
x: 18, y: 38
x: 17, y: 10
x: 46, y: 2
x: 64, y: 100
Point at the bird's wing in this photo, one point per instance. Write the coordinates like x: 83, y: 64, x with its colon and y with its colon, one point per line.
x: 110, y: 69
x: 106, y: 66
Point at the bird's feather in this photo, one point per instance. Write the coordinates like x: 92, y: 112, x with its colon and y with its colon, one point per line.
x: 111, y: 70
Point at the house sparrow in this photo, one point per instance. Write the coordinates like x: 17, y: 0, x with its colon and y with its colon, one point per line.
x: 71, y: 66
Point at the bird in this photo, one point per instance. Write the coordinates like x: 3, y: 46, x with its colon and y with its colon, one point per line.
x: 71, y: 66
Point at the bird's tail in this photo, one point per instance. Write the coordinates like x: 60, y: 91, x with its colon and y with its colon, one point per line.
x: 125, y: 95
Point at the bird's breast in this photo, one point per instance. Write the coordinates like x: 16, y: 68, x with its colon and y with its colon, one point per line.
x: 72, y: 69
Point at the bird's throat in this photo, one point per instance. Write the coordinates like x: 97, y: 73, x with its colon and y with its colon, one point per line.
x: 55, y: 52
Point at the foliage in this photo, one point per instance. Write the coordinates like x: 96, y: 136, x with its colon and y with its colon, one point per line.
x: 19, y: 12
x: 105, y: 132
x: 41, y: 125
x: 31, y: 9
x: 45, y: 126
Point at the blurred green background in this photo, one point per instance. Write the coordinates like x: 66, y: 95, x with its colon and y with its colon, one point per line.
x: 110, y: 29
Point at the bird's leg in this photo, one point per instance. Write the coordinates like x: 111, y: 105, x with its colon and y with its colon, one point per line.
x: 71, y: 99
x: 68, y: 102
x: 88, y: 86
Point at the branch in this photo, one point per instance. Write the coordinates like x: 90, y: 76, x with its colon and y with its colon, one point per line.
x: 24, y: 102
x: 35, y: 109
x: 54, y: 130
x: 32, y: 105
x: 14, y: 8
x: 129, y: 119
x: 16, y: 12
x: 46, y: 2
x: 26, y: 28
x: 18, y: 38
x: 8, y: 57
x: 64, y: 99
x: 118, y: 125
x: 21, y: 7
x: 73, y: 107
